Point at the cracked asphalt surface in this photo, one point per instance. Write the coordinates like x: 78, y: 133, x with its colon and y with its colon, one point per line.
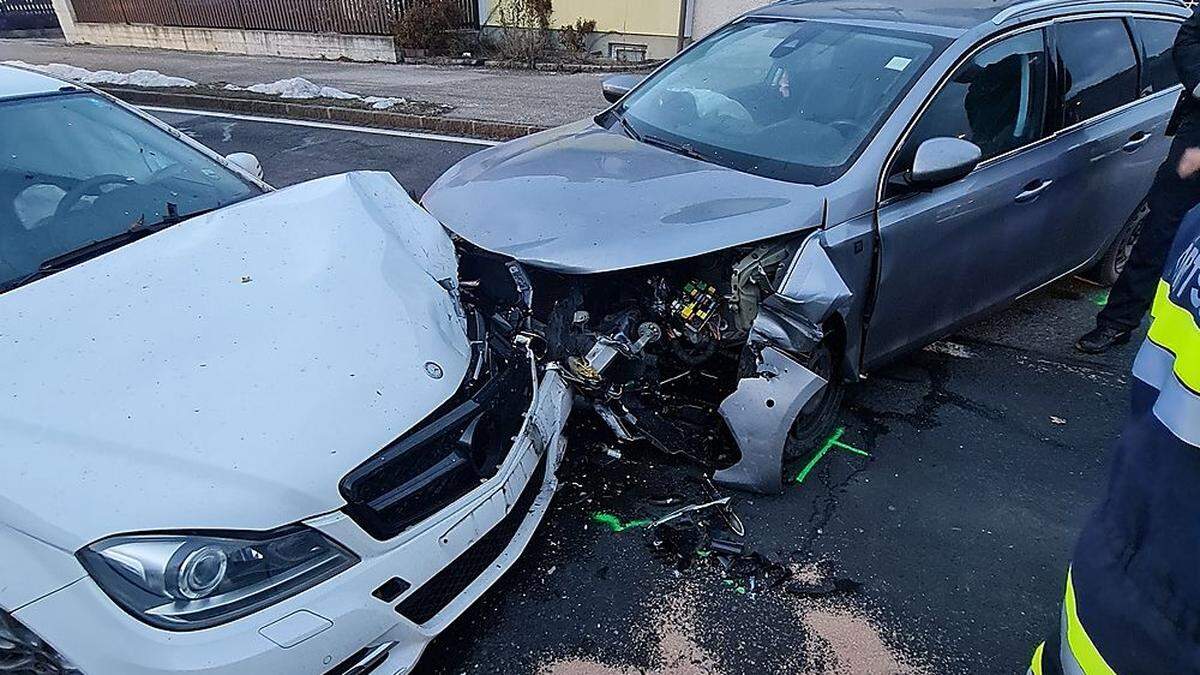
x: 987, y: 451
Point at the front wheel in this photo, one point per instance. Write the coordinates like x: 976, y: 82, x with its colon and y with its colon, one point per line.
x: 817, y: 419
x: 1115, y: 258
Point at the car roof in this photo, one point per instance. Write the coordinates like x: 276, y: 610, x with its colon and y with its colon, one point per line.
x: 956, y: 15
x: 18, y: 82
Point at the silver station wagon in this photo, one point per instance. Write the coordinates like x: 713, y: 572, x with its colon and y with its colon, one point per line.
x: 813, y: 190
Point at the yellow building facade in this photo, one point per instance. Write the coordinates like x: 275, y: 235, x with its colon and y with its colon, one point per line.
x: 641, y: 29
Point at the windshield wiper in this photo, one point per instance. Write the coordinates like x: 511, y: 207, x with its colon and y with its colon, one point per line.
x: 677, y: 148
x: 138, y: 230
x: 629, y: 129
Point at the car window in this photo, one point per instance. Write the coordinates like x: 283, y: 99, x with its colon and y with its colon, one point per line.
x: 77, y: 168
x: 996, y: 100
x: 791, y: 100
x: 1099, y: 67
x: 1157, y: 38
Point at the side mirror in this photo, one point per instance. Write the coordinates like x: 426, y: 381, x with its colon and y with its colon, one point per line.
x: 246, y: 162
x: 617, y: 86
x: 940, y: 161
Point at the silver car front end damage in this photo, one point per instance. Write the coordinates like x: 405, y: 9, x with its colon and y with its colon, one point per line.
x: 765, y: 406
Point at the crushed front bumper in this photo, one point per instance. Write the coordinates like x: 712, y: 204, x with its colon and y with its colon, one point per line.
x: 352, y: 623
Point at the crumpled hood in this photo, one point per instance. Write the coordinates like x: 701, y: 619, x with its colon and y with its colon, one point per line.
x: 582, y: 199
x: 229, y: 371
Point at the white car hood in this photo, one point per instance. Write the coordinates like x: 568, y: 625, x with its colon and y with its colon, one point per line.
x: 229, y: 371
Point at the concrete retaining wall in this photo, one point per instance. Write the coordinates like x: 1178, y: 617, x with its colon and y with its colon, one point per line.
x: 250, y: 42
x: 254, y: 43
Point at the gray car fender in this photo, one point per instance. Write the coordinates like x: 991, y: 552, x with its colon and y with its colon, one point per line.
x: 761, y: 411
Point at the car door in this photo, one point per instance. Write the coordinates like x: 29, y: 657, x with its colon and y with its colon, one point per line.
x: 1112, y: 136
x: 949, y: 253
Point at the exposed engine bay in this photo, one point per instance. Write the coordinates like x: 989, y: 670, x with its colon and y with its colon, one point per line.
x: 660, y: 354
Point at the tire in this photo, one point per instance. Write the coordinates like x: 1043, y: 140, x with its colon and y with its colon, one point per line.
x: 819, y: 417
x: 1110, y: 266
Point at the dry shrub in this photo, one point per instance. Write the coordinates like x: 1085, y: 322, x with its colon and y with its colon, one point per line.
x: 575, y: 37
x: 428, y: 24
x: 525, y: 28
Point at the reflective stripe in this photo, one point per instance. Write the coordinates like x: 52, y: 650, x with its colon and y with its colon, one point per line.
x: 1035, y: 668
x: 1154, y: 365
x: 1078, y: 654
x: 1175, y: 330
x: 1178, y: 408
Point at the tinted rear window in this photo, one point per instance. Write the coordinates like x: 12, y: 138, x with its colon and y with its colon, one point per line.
x: 1100, y: 68
x: 1158, y: 37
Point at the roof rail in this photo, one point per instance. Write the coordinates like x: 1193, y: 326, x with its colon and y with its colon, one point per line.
x: 1009, y: 13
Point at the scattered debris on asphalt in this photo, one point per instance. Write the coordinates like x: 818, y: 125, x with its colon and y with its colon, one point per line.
x: 823, y: 588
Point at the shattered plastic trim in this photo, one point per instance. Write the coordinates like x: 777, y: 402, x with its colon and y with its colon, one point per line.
x: 760, y: 415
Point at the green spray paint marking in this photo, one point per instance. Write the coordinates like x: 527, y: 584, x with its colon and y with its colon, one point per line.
x: 835, y: 441
x: 1100, y: 298
x: 614, y: 523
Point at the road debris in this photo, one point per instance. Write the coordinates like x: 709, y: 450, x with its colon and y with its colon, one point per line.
x: 822, y: 588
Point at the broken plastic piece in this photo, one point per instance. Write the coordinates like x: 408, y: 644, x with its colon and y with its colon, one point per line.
x: 727, y: 546
x: 724, y: 501
x: 521, y: 280
x: 760, y: 415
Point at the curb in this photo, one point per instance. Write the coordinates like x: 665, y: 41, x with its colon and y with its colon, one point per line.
x: 383, y: 119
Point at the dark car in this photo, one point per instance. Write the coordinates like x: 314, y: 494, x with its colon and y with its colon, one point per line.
x: 813, y: 190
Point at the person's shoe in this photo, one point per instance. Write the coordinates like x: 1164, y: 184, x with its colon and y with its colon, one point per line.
x: 1102, y: 339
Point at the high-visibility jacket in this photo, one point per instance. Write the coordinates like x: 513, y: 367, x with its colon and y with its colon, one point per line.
x: 1133, y: 590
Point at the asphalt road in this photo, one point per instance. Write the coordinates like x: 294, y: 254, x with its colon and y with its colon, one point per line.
x: 986, y: 452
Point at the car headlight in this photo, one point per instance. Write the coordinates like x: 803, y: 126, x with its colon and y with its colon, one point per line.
x: 22, y: 651
x: 192, y: 581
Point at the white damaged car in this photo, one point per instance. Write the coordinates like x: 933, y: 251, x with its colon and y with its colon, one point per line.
x: 243, y: 430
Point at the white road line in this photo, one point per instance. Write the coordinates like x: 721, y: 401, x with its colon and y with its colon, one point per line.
x: 325, y: 125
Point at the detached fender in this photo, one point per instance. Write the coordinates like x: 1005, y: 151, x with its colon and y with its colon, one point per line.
x: 760, y: 415
x: 763, y: 409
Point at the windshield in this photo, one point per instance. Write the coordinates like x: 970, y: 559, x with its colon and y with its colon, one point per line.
x: 783, y: 99
x: 77, y: 168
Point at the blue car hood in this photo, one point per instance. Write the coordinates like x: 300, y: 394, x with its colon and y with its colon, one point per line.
x: 582, y: 199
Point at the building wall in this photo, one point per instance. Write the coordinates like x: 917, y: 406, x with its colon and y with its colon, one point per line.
x: 630, y: 17
x: 708, y: 15
x: 633, y: 17
x: 650, y: 23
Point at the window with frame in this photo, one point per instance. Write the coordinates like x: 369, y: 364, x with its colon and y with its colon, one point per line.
x: 1099, y: 68
x: 1157, y: 38
x: 996, y: 100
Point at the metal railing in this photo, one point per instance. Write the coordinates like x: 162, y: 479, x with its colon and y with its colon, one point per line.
x: 352, y: 17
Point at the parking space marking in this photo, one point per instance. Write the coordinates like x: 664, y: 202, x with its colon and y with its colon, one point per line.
x: 324, y: 125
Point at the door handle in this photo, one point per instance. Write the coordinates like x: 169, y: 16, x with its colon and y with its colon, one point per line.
x: 1033, y: 191
x: 1136, y: 141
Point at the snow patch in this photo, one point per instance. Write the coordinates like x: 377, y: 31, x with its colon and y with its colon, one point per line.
x: 138, y: 78
x: 300, y: 88
x: 290, y: 88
